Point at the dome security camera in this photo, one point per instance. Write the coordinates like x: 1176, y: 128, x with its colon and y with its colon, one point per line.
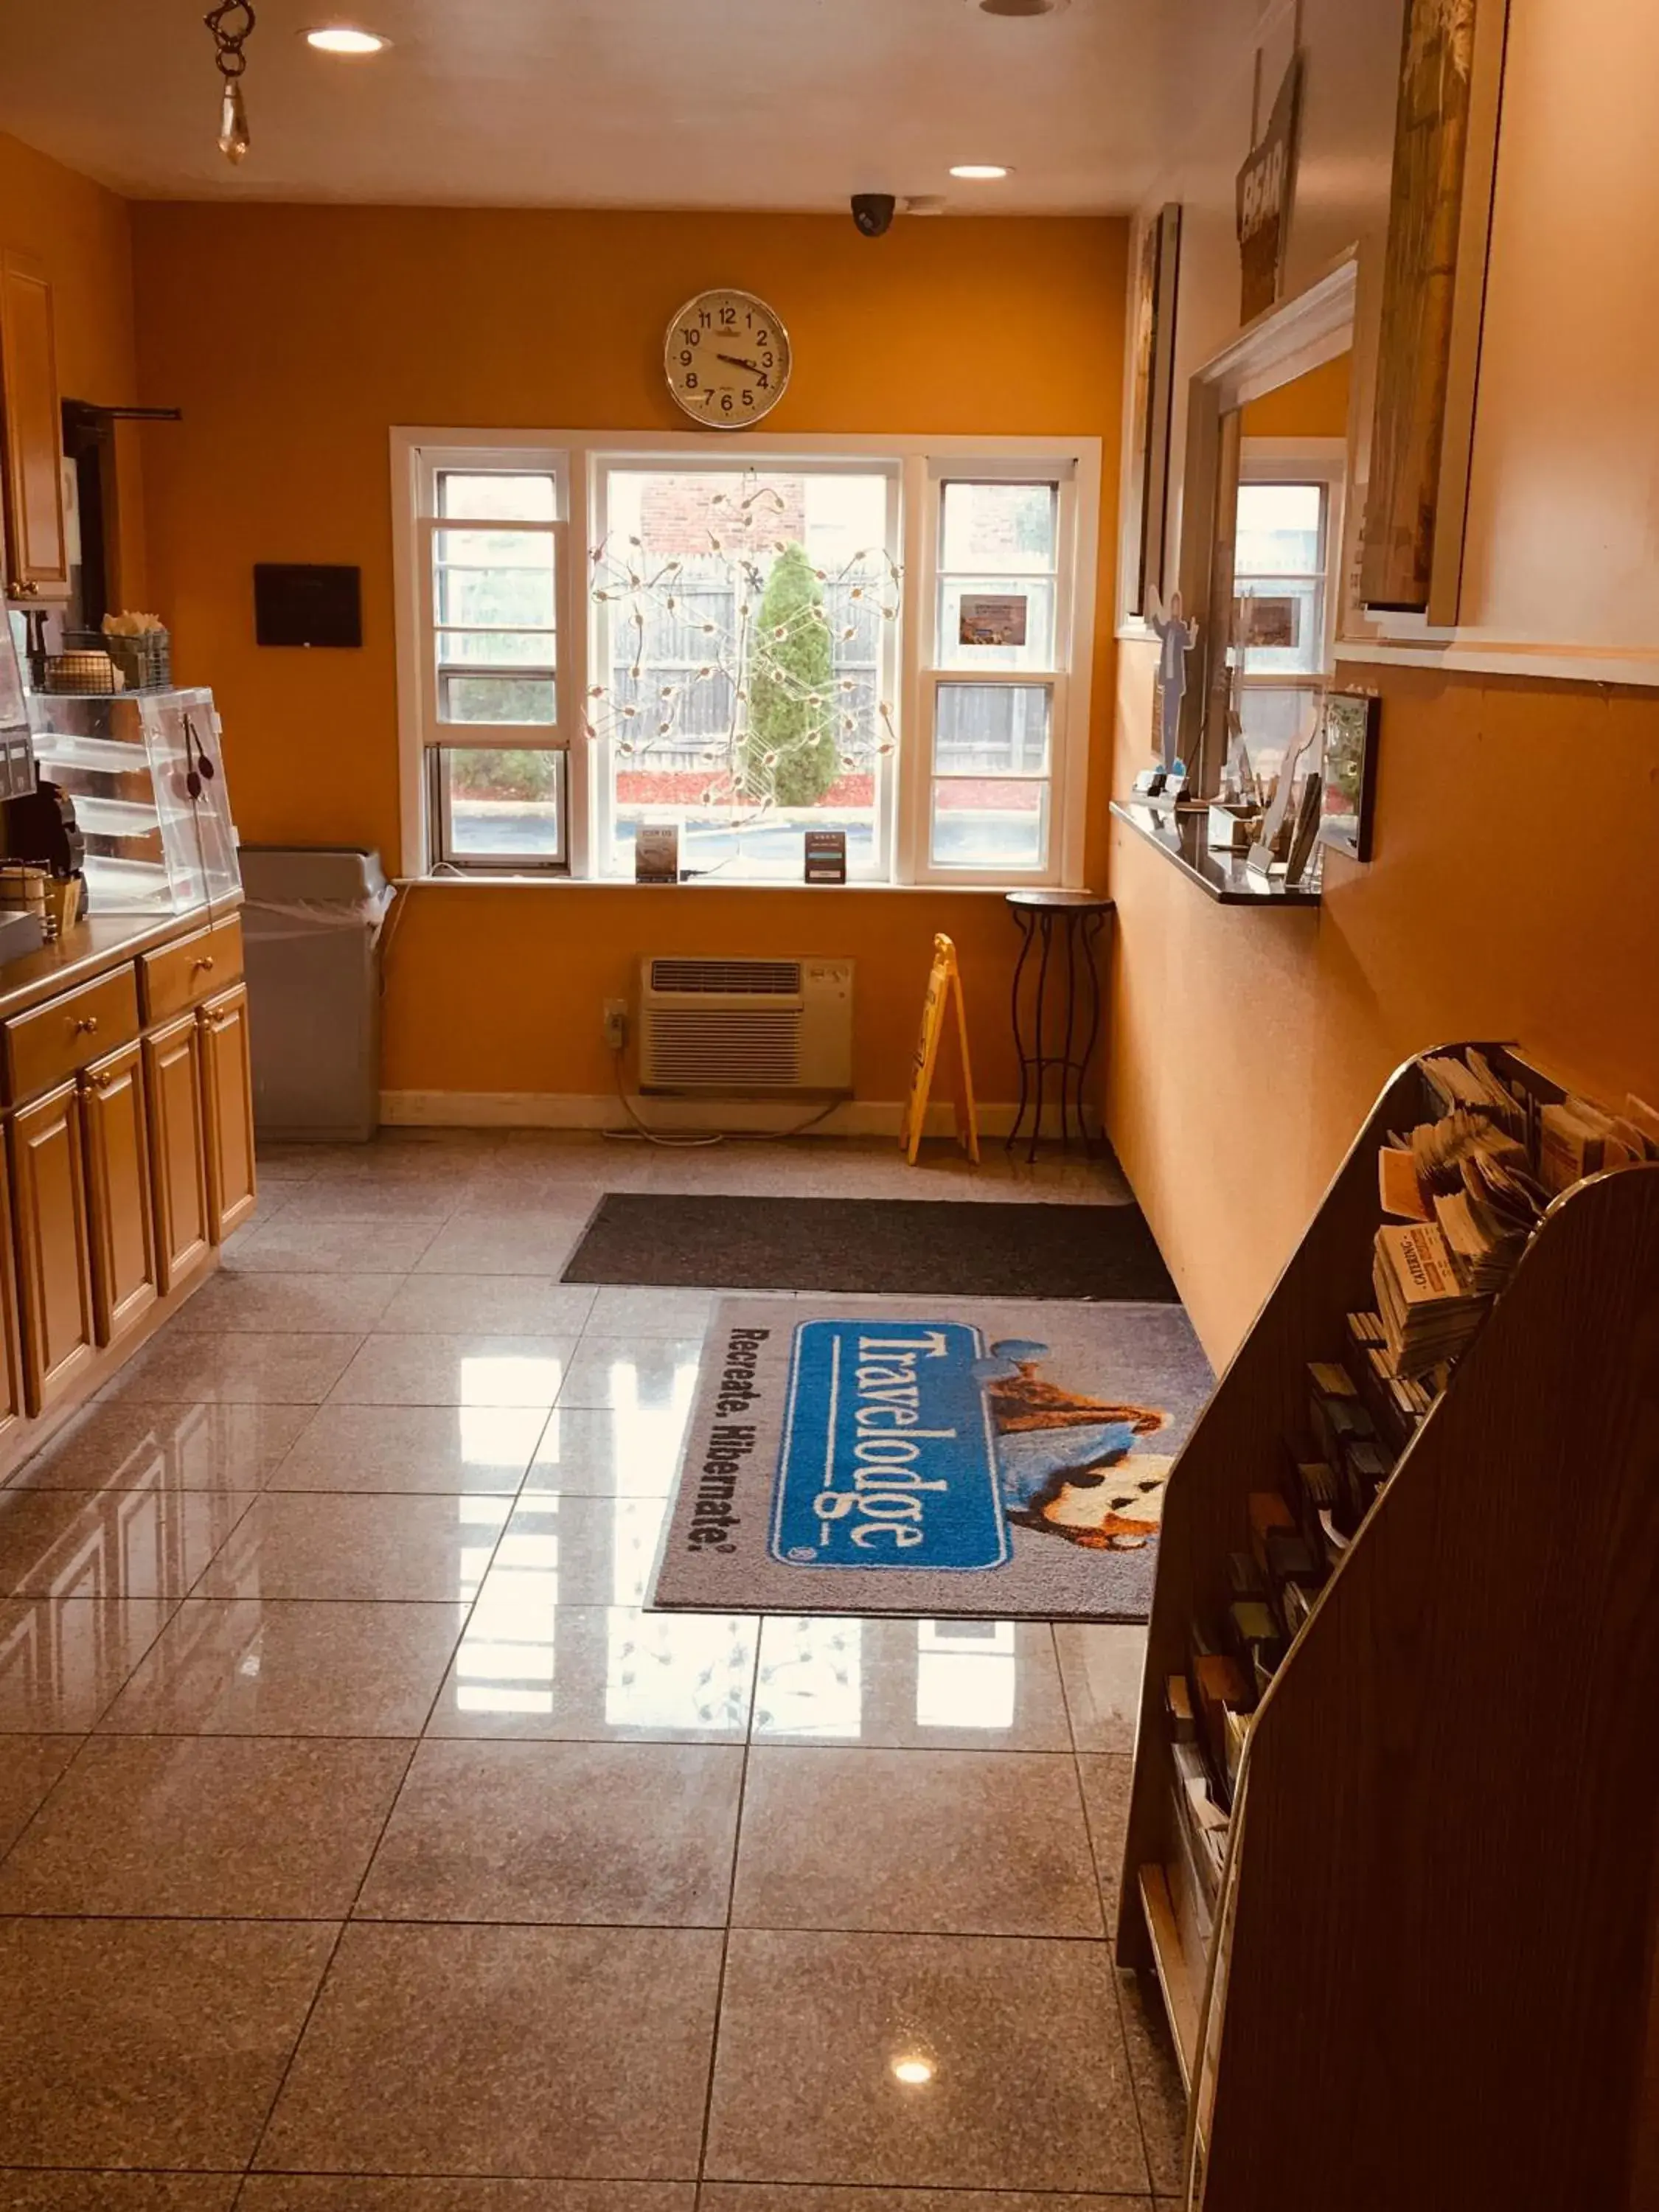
x: 873, y: 213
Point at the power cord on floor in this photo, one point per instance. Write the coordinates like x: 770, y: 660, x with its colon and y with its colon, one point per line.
x: 671, y: 1140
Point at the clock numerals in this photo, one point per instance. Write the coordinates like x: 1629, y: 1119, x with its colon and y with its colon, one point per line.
x: 739, y: 376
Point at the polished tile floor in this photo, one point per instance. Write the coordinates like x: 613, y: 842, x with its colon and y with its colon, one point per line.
x: 365, y: 1848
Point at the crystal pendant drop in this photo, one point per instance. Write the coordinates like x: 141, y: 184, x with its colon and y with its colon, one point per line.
x: 234, y: 139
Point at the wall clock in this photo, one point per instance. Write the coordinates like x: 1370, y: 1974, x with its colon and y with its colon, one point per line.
x: 727, y: 358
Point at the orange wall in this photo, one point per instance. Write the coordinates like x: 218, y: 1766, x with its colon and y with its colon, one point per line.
x: 1312, y: 406
x: 84, y: 235
x: 1511, y: 894
x: 329, y: 324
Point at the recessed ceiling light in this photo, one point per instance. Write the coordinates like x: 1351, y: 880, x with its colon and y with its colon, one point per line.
x: 913, y: 2072
x: 1021, y: 7
x: 983, y: 171
x: 343, y: 39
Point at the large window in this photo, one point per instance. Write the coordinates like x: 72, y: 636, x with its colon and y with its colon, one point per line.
x: 878, y: 638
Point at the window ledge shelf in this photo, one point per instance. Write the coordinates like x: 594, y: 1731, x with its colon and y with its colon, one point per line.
x: 476, y: 880
x: 1179, y: 836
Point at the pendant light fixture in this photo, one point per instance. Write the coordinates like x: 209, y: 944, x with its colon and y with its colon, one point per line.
x: 232, y: 25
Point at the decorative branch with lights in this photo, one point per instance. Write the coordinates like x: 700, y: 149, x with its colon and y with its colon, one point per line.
x: 792, y: 724
x: 232, y: 25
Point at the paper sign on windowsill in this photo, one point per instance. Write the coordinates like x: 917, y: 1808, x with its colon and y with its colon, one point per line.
x: 989, y: 619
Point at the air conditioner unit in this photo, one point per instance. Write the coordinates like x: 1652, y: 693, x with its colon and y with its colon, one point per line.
x: 762, y: 1028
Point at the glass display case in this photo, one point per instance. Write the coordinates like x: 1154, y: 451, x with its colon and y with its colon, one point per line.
x: 143, y: 770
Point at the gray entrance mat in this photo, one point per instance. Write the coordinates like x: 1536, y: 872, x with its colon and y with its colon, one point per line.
x: 931, y: 1457
x: 926, y: 1247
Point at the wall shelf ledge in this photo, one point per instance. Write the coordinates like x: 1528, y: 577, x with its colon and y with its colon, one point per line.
x: 1179, y: 833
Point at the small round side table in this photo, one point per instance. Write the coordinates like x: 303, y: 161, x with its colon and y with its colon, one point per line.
x: 1048, y: 1053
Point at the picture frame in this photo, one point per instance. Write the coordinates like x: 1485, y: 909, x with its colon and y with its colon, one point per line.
x: 1152, y: 381
x: 1434, y: 285
x: 1351, y: 722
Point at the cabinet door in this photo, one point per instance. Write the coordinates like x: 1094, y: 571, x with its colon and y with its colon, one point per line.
x: 228, y: 1085
x: 177, y: 1148
x: 118, y: 1183
x: 11, y: 1340
x: 38, y: 563
x: 49, y: 1192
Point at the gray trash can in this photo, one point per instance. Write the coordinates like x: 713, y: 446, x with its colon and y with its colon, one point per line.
x: 312, y: 922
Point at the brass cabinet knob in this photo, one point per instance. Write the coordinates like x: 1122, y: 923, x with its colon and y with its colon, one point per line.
x: 86, y: 1026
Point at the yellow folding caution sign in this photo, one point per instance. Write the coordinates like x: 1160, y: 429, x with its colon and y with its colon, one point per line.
x: 943, y: 990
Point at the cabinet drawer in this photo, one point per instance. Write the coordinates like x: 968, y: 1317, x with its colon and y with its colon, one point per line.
x: 60, y: 1039
x: 181, y: 975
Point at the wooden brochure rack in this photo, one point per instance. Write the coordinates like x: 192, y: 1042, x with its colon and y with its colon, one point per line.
x: 1431, y: 1978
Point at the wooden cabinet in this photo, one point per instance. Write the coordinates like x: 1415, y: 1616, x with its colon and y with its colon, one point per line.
x: 49, y: 1192
x: 37, y: 539
x: 177, y: 1107
x: 227, y: 1082
x: 123, y: 1231
x: 11, y: 1338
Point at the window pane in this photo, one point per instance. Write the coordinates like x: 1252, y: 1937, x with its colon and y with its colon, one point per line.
x: 1279, y: 625
x: 991, y: 729
x: 991, y: 528
x: 494, y: 577
x: 1281, y: 530
x: 990, y: 823
x: 995, y: 609
x: 750, y: 622
x: 1274, y: 719
x: 513, y: 494
x: 506, y: 804
x: 497, y: 699
x: 495, y: 648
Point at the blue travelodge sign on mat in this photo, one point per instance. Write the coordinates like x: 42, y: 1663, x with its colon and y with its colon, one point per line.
x: 888, y: 1457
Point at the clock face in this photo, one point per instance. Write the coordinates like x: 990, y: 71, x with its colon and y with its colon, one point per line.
x: 727, y: 358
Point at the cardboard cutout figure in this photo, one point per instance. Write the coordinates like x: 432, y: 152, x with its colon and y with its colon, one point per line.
x: 1177, y: 637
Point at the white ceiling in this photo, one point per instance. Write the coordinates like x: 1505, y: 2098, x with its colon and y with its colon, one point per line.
x: 789, y: 104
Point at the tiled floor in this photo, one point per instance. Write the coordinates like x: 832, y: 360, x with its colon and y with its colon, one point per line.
x: 365, y: 1848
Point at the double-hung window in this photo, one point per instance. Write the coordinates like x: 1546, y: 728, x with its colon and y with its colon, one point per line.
x: 494, y: 730
x: 994, y: 691
x: 888, y: 638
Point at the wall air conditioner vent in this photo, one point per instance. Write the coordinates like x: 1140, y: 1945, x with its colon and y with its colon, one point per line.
x: 754, y: 1027
x: 744, y: 978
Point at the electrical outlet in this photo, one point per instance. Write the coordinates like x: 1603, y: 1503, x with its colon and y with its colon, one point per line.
x: 616, y: 1024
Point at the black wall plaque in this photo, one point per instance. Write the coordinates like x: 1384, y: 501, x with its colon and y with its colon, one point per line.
x: 307, y: 605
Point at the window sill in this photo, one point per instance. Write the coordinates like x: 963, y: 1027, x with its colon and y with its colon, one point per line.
x: 479, y: 881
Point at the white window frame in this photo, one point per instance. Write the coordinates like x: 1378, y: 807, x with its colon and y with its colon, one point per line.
x: 921, y: 464
x: 423, y: 734
x: 1068, y: 743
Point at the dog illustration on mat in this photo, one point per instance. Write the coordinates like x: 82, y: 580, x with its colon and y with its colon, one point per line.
x: 1069, y: 1465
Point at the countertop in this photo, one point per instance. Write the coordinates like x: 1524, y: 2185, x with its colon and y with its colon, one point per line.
x: 92, y: 947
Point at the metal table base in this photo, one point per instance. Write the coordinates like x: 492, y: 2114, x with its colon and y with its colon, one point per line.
x: 1051, y: 1057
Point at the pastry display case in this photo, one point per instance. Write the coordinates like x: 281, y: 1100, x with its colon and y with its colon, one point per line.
x: 142, y: 769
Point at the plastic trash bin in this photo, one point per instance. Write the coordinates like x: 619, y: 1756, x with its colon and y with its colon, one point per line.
x: 311, y: 923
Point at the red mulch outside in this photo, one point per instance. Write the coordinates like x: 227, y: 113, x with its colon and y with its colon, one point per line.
x: 688, y: 786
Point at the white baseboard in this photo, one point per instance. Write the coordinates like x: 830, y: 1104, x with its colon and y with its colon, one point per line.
x: 575, y: 1109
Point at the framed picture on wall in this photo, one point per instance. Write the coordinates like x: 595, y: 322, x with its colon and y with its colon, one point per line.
x: 1350, y: 774
x: 1152, y: 363
x: 1434, y: 282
